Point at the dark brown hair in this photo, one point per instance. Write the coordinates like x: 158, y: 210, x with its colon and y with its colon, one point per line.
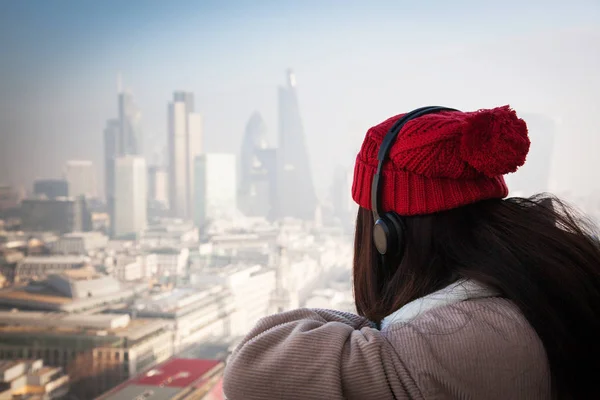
x: 536, y: 252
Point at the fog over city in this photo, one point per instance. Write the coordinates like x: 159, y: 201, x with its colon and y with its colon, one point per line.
x: 355, y: 65
x: 171, y: 172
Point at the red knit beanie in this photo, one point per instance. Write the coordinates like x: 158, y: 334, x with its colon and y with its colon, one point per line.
x: 442, y: 160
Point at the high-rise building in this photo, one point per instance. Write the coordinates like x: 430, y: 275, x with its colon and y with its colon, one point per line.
x: 185, y: 143
x: 81, y: 178
x: 130, y: 133
x: 534, y: 176
x: 214, y: 188
x: 51, y: 188
x: 130, y: 196
x: 158, y: 185
x: 257, y: 195
x: 296, y: 192
x: 111, y: 152
x: 122, y: 136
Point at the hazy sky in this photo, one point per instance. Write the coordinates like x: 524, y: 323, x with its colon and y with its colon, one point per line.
x: 356, y: 63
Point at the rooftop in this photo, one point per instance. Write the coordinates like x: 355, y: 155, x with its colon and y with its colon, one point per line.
x: 104, y: 325
x: 69, y: 259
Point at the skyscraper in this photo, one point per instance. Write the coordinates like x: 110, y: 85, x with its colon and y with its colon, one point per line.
x: 81, y: 178
x: 122, y: 136
x: 130, y: 133
x: 112, y: 150
x: 296, y: 192
x: 534, y: 176
x: 185, y: 143
x: 257, y: 193
x: 214, y: 188
x: 130, y: 195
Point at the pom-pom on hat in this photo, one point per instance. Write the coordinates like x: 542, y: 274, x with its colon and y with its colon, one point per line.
x: 443, y: 160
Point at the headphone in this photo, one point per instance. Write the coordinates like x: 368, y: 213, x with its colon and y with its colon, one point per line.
x: 389, y: 228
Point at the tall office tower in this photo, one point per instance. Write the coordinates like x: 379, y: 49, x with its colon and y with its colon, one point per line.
x: 130, y: 195
x: 51, y: 188
x: 296, y: 192
x: 257, y: 193
x: 158, y: 185
x: 130, y: 132
x: 81, y: 178
x: 122, y: 136
x: 214, y: 188
x: 534, y: 176
x: 112, y: 148
x: 185, y: 143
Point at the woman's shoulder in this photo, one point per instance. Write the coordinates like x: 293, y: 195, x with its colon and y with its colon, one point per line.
x: 480, y: 340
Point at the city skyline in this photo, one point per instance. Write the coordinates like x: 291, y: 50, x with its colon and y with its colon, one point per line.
x: 345, y: 87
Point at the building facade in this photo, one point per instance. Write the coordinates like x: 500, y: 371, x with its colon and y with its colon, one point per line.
x: 257, y: 194
x: 185, y: 143
x: 215, y: 190
x: 62, y: 215
x: 81, y: 178
x: 51, y: 188
x: 130, y: 196
x: 296, y: 191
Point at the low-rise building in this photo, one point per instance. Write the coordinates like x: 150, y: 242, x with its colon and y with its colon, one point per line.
x: 76, y: 290
x: 250, y: 287
x: 26, y: 379
x: 79, y: 243
x: 171, y: 262
x: 198, y: 313
x: 177, y: 378
x: 98, y: 351
x: 39, y: 267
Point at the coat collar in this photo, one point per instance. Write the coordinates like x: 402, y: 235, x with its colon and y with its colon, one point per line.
x: 454, y: 293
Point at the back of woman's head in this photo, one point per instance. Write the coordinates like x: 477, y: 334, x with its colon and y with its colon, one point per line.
x: 536, y: 252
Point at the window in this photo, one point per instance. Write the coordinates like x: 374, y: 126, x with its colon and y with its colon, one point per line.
x: 117, y: 356
x: 126, y: 356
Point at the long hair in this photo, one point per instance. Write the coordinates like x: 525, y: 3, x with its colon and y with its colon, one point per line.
x: 536, y: 252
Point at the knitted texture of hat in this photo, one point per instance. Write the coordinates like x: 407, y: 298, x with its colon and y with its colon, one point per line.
x: 443, y: 160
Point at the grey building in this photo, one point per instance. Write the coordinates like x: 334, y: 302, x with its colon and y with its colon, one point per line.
x: 257, y: 194
x: 296, y: 192
x: 51, y: 188
x: 122, y: 136
x: 61, y: 215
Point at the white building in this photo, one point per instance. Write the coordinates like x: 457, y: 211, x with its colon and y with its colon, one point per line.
x: 167, y: 262
x: 81, y: 178
x: 250, y: 287
x: 198, y: 313
x: 185, y: 143
x: 130, y: 196
x: 80, y: 243
x: 129, y: 271
x: 215, y: 188
x: 158, y: 185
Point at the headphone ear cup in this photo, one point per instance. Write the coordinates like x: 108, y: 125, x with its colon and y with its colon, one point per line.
x: 398, y: 227
x: 384, y: 235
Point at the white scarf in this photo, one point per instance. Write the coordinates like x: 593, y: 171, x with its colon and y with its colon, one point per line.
x: 454, y: 293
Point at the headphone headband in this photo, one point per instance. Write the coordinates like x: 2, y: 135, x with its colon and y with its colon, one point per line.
x: 386, y: 146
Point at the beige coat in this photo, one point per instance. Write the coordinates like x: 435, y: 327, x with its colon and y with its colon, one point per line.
x: 478, y: 348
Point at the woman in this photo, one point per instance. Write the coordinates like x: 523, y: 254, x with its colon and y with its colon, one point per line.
x: 475, y: 296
